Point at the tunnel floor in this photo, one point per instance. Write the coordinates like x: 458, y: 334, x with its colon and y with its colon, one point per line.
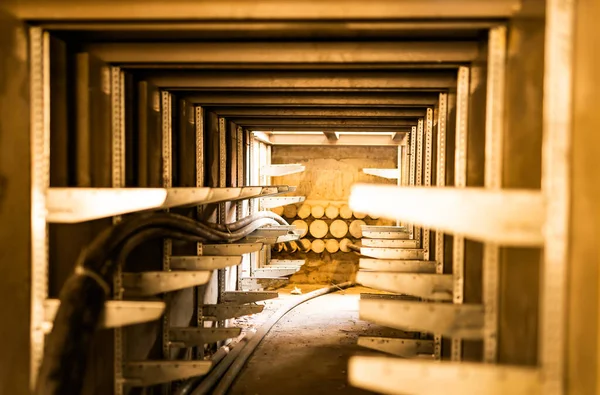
x: 307, y: 351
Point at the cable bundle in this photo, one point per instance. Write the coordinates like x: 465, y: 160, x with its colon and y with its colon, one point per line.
x: 84, y: 293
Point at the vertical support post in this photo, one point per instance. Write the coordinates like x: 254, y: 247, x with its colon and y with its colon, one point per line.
x: 263, y: 180
x: 252, y: 177
x: 401, y: 171
x: 118, y: 181
x: 419, y: 167
x: 199, y: 127
x: 166, y: 183
x: 427, y: 172
x: 405, y: 164
x: 413, y: 164
x: 239, y: 151
x: 564, y: 134
x: 222, y: 184
x: 493, y: 180
x: 240, y: 211
x: 440, y: 181
x: 460, y: 181
x: 251, y: 168
x: 39, y: 53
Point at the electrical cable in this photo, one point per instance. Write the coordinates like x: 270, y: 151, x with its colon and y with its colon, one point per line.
x: 221, y: 360
x: 247, y: 220
x: 83, y: 295
x: 226, y: 379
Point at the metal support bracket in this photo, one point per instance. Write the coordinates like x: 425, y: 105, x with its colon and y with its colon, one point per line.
x: 204, y: 262
x: 221, y: 312
x: 405, y: 348
x: 243, y: 297
x: 397, y: 376
x: 424, y: 285
x: 278, y: 201
x: 117, y: 313
x: 389, y: 243
x: 231, y: 249
x: 392, y: 253
x: 193, y: 337
x: 386, y: 265
x: 452, y: 320
x: 154, y: 283
x: 385, y: 232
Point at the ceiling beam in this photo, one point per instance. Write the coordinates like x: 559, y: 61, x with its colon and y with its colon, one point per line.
x: 389, y: 130
x: 312, y: 112
x: 326, y: 122
x: 266, y: 28
x: 322, y: 139
x: 276, y: 52
x: 239, y: 10
x: 317, y: 99
x: 433, y: 81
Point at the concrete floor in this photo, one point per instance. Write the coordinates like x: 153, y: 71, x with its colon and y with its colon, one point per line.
x: 307, y: 351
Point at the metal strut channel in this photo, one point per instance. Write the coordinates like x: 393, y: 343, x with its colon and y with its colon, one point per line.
x: 240, y: 205
x: 118, y: 181
x: 166, y: 183
x: 494, y: 130
x: 427, y: 169
x: 199, y: 291
x: 222, y: 218
x: 460, y: 181
x: 39, y: 53
x: 419, y: 166
x: 413, y: 163
x: 556, y: 153
x: 440, y: 181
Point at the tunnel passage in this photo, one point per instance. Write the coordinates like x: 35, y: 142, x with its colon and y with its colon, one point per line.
x: 286, y: 145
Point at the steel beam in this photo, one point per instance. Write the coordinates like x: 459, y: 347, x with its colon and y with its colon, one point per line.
x: 390, y: 130
x: 236, y: 10
x: 312, y: 99
x: 275, y: 52
x: 313, y: 112
x: 326, y: 123
x: 321, y: 139
x: 304, y: 80
x: 233, y: 30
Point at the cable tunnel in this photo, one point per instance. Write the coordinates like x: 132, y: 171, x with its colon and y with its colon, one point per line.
x: 285, y: 197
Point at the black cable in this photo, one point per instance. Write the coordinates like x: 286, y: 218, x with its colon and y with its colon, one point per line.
x: 83, y: 295
x: 82, y: 301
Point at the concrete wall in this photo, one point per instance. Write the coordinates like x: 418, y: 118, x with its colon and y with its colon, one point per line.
x: 330, y: 173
